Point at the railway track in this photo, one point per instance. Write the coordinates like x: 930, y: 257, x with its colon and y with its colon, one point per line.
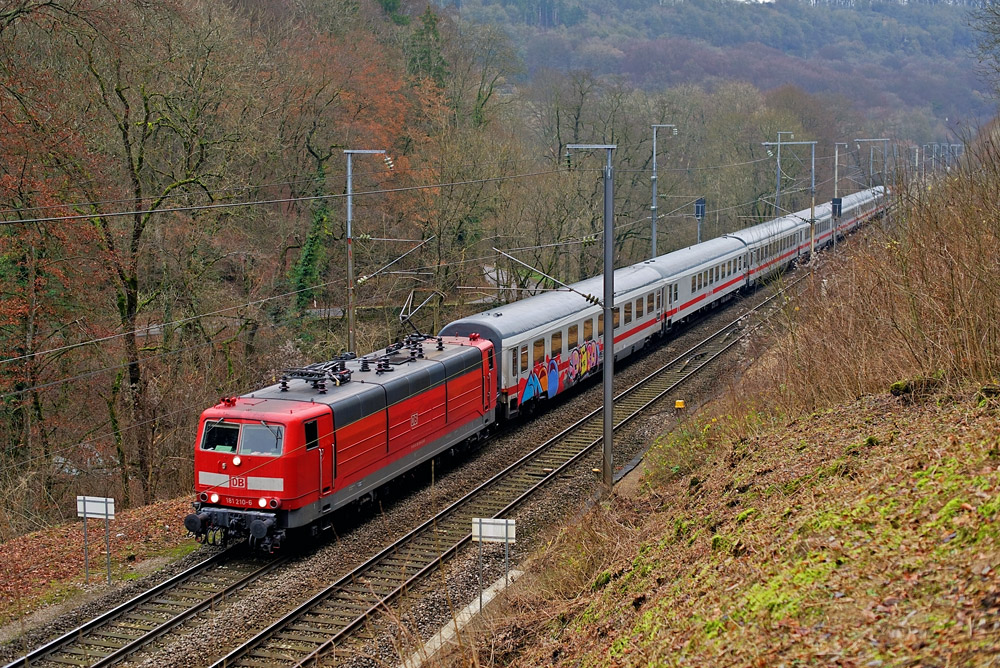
x: 122, y: 631
x: 329, y: 618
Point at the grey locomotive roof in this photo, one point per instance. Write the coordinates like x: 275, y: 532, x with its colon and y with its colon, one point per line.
x: 369, y: 391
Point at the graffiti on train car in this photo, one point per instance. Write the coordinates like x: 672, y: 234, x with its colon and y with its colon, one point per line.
x: 553, y: 375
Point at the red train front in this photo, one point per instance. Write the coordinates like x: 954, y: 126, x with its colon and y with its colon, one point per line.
x: 287, y: 456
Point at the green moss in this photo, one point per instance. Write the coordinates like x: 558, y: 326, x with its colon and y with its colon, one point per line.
x: 783, y: 595
x: 721, y: 543
x: 745, y: 515
x: 989, y: 510
x: 950, y: 509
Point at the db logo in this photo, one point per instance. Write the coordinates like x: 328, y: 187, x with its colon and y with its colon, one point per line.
x: 238, y: 483
x: 413, y: 420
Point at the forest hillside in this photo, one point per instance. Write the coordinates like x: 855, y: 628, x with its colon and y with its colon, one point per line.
x: 914, y: 65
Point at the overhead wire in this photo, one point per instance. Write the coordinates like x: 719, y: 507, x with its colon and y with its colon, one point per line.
x: 321, y: 285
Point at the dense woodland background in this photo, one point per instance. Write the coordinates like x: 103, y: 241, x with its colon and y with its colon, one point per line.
x: 909, y: 63
x: 172, y: 210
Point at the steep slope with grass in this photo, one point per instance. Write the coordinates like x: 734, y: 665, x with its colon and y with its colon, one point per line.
x: 842, y: 507
x: 863, y: 535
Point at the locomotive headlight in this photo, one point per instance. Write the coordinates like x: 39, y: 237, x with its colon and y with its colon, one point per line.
x: 214, y: 498
x: 237, y: 461
x: 262, y: 502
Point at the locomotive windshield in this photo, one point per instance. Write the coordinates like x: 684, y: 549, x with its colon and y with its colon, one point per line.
x: 260, y: 439
x: 247, y: 439
x: 220, y: 437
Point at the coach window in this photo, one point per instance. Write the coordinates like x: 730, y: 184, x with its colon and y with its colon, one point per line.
x: 556, y: 344
x: 600, y: 325
x: 638, y: 307
x: 627, y: 307
x: 694, y: 287
x: 651, y: 301
x: 572, y: 337
x: 524, y: 358
x: 676, y: 293
x: 588, y: 329
x: 616, y: 315
x: 538, y: 354
x: 312, y: 434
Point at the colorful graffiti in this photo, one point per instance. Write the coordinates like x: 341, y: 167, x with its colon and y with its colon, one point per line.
x: 583, y: 360
x: 553, y: 375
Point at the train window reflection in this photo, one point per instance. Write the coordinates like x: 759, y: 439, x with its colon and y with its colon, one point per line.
x: 220, y: 437
x: 261, y: 439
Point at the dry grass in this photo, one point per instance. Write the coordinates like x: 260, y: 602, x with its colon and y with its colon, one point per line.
x: 918, y: 297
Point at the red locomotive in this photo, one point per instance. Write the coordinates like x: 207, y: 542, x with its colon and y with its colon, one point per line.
x: 288, y: 455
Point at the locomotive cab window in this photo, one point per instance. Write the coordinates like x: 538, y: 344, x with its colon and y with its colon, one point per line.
x: 220, y: 437
x: 261, y: 439
x: 312, y: 434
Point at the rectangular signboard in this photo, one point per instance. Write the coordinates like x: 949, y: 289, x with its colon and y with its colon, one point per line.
x: 95, y: 506
x: 488, y: 530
